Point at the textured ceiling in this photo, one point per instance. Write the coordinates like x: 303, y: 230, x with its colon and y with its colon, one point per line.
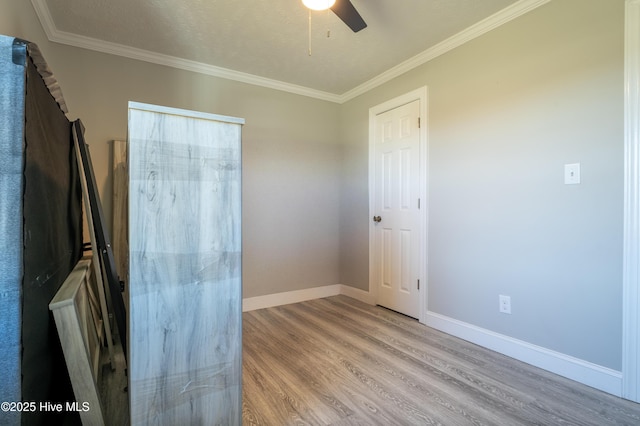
x: 269, y: 39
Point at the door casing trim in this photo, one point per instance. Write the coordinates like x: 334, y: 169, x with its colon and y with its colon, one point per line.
x: 631, y: 233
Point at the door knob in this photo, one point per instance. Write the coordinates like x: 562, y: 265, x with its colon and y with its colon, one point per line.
x: 377, y: 219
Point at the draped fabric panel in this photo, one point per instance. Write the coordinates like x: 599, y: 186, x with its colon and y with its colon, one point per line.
x: 40, y: 229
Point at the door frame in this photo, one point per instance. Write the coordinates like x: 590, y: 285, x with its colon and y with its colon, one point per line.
x: 420, y: 94
x: 631, y: 233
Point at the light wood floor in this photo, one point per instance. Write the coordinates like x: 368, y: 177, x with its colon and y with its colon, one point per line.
x: 337, y: 361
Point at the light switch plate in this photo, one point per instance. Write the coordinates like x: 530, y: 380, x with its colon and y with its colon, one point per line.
x: 572, y: 174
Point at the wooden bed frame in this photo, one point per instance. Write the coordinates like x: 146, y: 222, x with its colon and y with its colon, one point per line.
x: 77, y: 315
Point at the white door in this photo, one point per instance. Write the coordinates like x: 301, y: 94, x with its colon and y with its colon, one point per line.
x: 396, y: 213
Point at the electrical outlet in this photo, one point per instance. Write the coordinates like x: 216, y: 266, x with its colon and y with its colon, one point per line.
x: 505, y: 304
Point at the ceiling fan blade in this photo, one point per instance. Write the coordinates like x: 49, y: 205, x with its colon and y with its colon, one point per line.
x: 349, y: 15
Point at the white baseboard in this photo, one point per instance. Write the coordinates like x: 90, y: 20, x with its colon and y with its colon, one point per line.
x: 596, y: 376
x: 287, y: 297
x: 356, y: 293
x: 284, y: 298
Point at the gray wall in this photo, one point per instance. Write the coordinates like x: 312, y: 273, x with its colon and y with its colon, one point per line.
x: 506, y: 112
x: 291, y: 154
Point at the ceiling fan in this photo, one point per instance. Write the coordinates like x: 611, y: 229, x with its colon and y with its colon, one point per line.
x: 344, y: 9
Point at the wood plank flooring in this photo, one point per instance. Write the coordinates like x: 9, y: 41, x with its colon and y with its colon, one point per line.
x: 337, y: 361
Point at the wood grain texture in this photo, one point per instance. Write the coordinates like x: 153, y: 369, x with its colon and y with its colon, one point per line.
x: 337, y: 361
x: 185, y: 269
x: 76, y: 311
x: 114, y: 389
x: 79, y: 328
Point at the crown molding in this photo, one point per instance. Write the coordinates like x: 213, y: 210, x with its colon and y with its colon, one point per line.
x: 497, y: 19
x: 75, y: 40
x: 505, y: 15
x: 41, y: 9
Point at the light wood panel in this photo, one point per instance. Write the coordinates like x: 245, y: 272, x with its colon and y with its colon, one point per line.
x: 185, y: 267
x: 77, y: 316
x: 337, y: 361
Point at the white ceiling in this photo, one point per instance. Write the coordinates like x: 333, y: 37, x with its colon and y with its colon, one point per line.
x: 266, y: 42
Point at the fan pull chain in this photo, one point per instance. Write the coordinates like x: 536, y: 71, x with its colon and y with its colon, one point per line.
x: 309, y: 35
x: 309, y: 32
x: 328, y: 29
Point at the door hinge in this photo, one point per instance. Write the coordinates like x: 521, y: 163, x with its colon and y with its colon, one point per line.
x: 418, y: 122
x: 418, y: 203
x: 418, y: 284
